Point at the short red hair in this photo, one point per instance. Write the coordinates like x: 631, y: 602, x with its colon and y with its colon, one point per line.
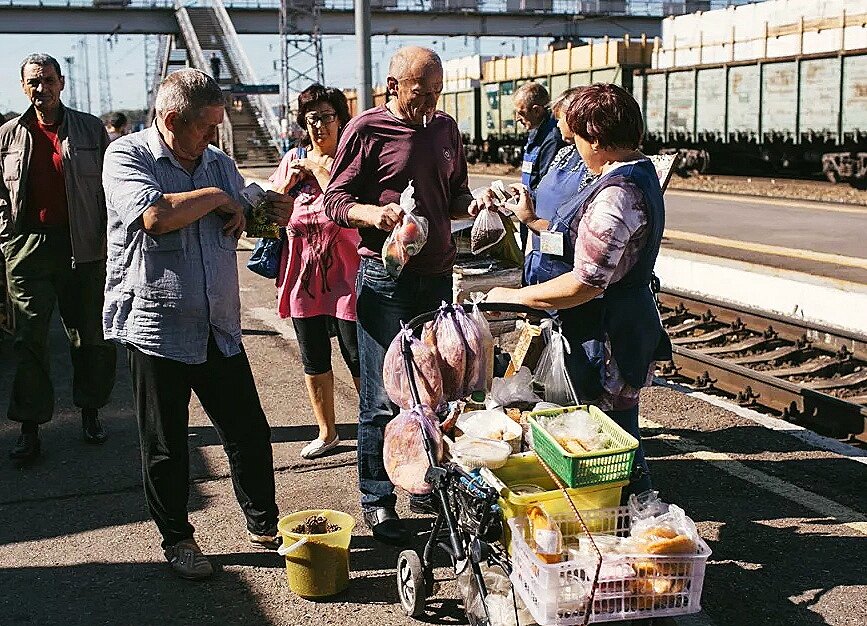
x: 607, y: 114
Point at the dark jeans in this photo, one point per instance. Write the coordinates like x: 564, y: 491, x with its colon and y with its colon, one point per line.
x: 40, y: 274
x: 227, y: 391
x: 383, y: 303
x: 640, y: 479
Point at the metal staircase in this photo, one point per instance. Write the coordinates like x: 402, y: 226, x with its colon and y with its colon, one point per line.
x: 250, y: 130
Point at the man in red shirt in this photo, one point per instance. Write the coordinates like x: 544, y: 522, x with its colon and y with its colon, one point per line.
x: 380, y: 151
x: 52, y: 236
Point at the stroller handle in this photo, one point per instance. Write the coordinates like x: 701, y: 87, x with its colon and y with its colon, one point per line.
x: 492, y: 307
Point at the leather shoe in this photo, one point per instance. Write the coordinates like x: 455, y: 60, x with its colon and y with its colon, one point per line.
x: 387, y: 527
x: 424, y: 505
x: 28, y: 447
x: 92, y: 428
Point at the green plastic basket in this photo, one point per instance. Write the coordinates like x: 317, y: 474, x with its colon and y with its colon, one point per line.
x: 588, y: 468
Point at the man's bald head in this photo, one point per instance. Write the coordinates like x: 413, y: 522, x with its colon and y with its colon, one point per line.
x: 415, y: 82
x: 414, y: 62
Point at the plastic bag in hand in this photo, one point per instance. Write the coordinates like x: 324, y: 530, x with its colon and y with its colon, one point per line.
x: 407, y: 238
x: 507, y: 250
x: 487, y: 360
x: 551, y: 371
x: 428, y: 379
x: 403, y: 452
x: 488, y: 230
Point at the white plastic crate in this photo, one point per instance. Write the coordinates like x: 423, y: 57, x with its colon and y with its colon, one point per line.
x: 630, y: 586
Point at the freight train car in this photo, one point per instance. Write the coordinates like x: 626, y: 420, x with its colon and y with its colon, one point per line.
x: 744, y: 90
x: 485, y: 110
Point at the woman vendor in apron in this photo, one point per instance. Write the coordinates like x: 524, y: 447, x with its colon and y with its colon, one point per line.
x: 593, y: 259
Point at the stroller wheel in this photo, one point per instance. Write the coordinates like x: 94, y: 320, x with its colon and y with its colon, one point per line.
x: 411, y: 583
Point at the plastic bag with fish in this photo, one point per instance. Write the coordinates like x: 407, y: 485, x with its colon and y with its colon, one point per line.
x: 428, y: 379
x: 487, y: 360
x: 403, y: 452
x: 474, y: 373
x: 407, y: 238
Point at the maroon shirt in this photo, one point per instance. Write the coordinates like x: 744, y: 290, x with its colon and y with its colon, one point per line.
x: 46, y: 187
x: 377, y: 157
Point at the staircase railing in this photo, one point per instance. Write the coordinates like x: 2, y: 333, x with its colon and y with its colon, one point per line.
x: 245, y: 72
x: 164, y: 50
x: 194, y: 48
x: 227, y: 137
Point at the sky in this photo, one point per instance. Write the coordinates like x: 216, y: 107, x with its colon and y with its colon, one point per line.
x: 126, y: 61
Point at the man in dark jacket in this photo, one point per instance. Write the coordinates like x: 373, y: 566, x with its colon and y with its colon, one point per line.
x: 543, y: 136
x: 52, y: 235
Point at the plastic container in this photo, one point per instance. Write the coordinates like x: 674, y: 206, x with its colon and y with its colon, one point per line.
x: 482, y: 424
x: 320, y: 567
x: 525, y: 469
x: 588, y: 468
x: 630, y: 586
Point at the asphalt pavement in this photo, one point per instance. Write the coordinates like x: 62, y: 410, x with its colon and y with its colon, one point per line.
x: 785, y: 519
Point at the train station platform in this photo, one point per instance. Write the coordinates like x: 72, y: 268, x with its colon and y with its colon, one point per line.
x: 784, y: 513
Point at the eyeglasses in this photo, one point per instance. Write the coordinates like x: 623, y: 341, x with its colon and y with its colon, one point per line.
x: 325, y: 118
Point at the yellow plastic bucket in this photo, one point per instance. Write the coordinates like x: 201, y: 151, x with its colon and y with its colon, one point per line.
x: 319, y: 566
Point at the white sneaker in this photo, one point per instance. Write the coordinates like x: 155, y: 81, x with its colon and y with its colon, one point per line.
x: 317, y: 447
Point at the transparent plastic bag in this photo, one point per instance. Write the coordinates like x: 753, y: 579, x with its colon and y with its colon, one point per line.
x: 407, y: 238
x: 671, y: 532
x: 404, y: 456
x: 474, y: 373
x: 517, y: 388
x: 444, y: 337
x: 427, y: 373
x: 487, y: 360
x: 551, y: 371
x: 487, y: 231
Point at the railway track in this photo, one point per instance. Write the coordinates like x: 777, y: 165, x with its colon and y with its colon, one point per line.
x: 811, y: 375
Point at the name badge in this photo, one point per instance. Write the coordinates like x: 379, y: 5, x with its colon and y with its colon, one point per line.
x: 527, y: 167
x: 551, y: 243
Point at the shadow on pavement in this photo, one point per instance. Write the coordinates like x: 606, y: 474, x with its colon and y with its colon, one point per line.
x: 124, y: 593
x: 773, y: 558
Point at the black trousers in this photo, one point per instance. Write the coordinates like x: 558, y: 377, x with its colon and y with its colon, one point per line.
x: 227, y: 391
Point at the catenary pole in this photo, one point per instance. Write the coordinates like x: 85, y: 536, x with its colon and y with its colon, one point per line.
x: 362, y: 40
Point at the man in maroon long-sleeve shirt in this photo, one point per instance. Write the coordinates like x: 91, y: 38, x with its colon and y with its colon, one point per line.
x: 380, y: 151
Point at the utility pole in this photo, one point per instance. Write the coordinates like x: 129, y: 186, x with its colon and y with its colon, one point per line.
x: 82, y: 46
x: 105, y: 102
x: 71, y: 82
x: 301, y: 60
x: 362, y: 42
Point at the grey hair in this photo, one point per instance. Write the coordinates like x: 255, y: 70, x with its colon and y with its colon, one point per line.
x: 187, y: 92
x: 532, y: 93
x: 41, y: 60
x: 408, y: 58
x: 565, y: 99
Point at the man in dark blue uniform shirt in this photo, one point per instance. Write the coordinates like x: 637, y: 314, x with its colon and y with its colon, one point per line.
x: 543, y: 137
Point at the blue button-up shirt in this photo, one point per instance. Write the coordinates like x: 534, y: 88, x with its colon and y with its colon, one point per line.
x: 166, y: 294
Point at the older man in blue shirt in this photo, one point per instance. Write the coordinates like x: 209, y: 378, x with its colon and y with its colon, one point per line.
x: 172, y: 299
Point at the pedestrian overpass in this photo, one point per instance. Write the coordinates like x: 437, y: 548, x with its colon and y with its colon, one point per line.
x: 192, y: 31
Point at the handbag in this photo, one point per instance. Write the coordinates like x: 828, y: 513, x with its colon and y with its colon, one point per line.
x: 265, y: 260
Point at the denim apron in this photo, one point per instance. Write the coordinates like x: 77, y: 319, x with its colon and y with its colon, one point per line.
x: 626, y: 313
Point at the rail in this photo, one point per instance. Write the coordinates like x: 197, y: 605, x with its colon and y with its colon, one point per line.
x: 642, y: 8
x: 244, y: 68
x: 194, y: 48
x: 812, y: 375
x: 227, y: 137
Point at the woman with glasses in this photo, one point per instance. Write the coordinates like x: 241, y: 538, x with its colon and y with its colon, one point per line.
x: 316, y: 284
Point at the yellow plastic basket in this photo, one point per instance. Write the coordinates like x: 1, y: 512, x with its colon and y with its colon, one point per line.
x: 588, y: 468
x: 526, y: 469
